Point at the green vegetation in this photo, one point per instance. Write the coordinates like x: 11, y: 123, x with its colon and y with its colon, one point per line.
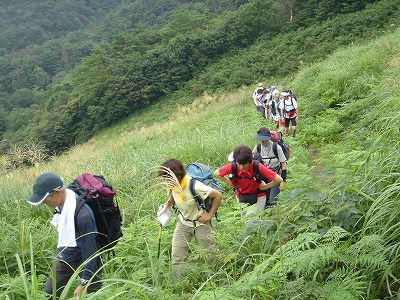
x: 333, y: 234
x: 191, y: 43
x: 44, y: 40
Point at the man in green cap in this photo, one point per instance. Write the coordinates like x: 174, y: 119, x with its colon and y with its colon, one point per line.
x: 76, y: 240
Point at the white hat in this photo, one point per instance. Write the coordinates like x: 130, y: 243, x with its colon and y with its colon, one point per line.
x: 275, y: 92
x: 163, y: 215
x: 284, y: 94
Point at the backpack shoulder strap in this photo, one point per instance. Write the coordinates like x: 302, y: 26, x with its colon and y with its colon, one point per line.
x: 259, y: 148
x: 275, y: 149
x: 193, y: 192
x: 256, y: 170
x: 234, y: 168
x: 80, y: 202
x: 199, y: 201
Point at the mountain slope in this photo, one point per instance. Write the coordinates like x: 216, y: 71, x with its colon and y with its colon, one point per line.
x: 332, y: 235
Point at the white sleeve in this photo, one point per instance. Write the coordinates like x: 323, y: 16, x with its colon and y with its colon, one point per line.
x: 294, y: 103
x: 281, y: 155
x: 282, y: 104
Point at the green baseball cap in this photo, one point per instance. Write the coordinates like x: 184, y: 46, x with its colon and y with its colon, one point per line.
x: 44, y: 184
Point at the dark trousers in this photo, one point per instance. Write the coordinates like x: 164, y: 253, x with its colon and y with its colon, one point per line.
x: 63, y: 272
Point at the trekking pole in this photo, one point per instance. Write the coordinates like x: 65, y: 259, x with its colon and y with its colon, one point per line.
x: 159, y: 242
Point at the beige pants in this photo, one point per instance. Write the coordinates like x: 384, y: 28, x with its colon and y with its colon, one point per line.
x: 254, y: 208
x: 181, y: 238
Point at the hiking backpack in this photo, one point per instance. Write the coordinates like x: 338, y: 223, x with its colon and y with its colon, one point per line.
x: 291, y: 104
x: 204, y: 174
x: 291, y: 94
x: 276, y: 139
x: 98, y: 194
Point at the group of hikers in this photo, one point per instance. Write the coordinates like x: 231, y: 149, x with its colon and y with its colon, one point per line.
x: 281, y: 107
x: 257, y: 176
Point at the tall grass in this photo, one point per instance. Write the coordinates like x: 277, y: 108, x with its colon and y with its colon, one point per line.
x: 333, y: 233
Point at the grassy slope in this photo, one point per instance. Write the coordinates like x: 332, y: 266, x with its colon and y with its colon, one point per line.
x: 330, y: 185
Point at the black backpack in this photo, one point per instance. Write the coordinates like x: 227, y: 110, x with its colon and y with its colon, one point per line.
x: 291, y: 94
x: 94, y: 191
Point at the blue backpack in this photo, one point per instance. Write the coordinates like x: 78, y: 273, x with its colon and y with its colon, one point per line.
x: 204, y: 174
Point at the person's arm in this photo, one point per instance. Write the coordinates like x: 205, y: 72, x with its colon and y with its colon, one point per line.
x: 265, y: 186
x: 222, y: 178
x: 283, y: 165
x: 170, y: 201
x: 281, y: 108
x: 87, y: 241
x: 274, y: 179
x: 297, y: 109
x: 216, y: 198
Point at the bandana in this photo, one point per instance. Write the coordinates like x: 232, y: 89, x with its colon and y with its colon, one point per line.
x: 179, y: 190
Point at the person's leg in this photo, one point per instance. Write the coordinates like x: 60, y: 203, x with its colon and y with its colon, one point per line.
x: 294, y: 124
x: 257, y: 207
x: 203, y: 235
x: 62, y: 274
x: 287, y: 126
x: 180, y: 239
x: 273, y: 196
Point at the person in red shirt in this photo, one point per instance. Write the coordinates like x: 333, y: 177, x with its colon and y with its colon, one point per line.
x: 249, y: 184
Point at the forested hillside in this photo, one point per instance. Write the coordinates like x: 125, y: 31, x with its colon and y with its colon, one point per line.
x: 37, y: 48
x: 148, y: 62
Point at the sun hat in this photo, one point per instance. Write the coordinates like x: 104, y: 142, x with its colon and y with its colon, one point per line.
x: 44, y: 184
x: 263, y: 134
x: 284, y: 94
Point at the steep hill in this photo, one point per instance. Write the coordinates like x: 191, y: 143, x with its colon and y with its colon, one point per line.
x: 333, y: 234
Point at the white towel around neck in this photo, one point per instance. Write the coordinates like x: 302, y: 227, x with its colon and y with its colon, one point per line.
x: 65, y: 221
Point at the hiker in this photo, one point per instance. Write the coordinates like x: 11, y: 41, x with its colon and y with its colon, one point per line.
x: 193, y: 221
x: 274, y: 108
x: 76, y: 241
x: 257, y: 99
x: 273, y: 158
x: 265, y: 99
x: 259, y: 89
x: 249, y: 178
x: 290, y: 112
